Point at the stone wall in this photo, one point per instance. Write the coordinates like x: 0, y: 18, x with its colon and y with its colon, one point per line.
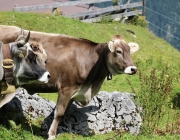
x: 106, y: 112
x: 24, y: 104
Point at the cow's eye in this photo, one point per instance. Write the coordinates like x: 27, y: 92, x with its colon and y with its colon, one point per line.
x: 119, y: 51
x: 46, y: 61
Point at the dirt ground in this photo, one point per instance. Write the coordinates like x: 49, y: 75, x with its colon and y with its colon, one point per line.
x: 7, y: 5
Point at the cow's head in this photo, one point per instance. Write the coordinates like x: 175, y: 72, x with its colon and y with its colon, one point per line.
x: 36, y: 47
x: 119, y: 60
x: 28, y: 65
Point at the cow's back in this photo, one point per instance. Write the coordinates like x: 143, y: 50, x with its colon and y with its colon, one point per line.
x: 9, y: 33
x: 69, y: 59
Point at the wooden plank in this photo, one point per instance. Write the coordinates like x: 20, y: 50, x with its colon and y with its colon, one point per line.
x: 105, y: 10
x: 55, y: 5
x: 131, y: 13
x: 131, y: 5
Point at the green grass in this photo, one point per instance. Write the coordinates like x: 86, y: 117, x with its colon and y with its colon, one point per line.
x: 49, y: 96
x: 154, y: 53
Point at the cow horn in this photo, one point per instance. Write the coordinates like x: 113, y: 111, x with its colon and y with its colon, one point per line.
x: 27, y: 38
x: 22, y: 43
x: 22, y: 32
x: 21, y: 35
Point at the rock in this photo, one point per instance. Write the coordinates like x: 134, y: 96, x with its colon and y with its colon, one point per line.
x: 105, y: 112
x: 24, y: 104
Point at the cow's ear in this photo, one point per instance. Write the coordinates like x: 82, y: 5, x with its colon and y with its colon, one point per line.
x: 111, y: 46
x: 35, y: 47
x: 133, y: 47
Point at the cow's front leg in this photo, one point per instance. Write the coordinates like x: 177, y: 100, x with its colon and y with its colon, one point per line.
x: 62, y: 103
x: 6, y: 98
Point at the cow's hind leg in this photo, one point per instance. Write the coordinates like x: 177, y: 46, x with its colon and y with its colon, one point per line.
x: 62, y: 103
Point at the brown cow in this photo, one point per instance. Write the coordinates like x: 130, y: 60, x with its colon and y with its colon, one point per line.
x: 78, y: 67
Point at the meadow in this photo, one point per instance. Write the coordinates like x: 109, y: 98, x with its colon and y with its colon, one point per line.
x: 156, y: 84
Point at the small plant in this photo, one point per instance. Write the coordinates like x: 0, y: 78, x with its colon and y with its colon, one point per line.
x: 105, y: 19
x: 58, y: 12
x: 115, y: 2
x: 29, y: 118
x: 48, y: 13
x: 13, y: 125
x: 16, y: 129
x: 153, y: 95
x: 138, y: 20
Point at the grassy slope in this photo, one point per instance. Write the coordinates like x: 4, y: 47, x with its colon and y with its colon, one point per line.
x: 153, y: 53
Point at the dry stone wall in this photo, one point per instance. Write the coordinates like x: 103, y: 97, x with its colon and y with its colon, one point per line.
x: 23, y: 105
x: 106, y: 112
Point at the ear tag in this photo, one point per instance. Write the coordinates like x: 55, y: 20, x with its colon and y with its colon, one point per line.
x: 109, y: 77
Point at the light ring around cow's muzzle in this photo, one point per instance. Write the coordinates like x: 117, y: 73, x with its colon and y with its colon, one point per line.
x: 130, y: 70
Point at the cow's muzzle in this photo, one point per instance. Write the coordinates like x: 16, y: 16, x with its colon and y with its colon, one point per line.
x: 134, y: 70
x: 45, y: 77
x: 130, y: 70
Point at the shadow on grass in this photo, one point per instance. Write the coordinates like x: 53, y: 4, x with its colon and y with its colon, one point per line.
x: 176, y: 101
x: 12, y: 118
x: 74, y: 121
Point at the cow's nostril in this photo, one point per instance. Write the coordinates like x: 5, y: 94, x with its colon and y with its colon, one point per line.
x: 48, y: 76
x: 134, y: 70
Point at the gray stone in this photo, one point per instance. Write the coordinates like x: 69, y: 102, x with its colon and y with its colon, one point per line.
x: 23, y: 105
x: 105, y: 112
x: 111, y: 111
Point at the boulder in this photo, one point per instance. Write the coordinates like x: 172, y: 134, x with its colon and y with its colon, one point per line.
x: 23, y: 105
x: 106, y: 112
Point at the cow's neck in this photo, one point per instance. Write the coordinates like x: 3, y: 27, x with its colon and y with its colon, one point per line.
x: 97, y: 74
x: 101, y: 71
x: 94, y: 80
x: 106, y: 50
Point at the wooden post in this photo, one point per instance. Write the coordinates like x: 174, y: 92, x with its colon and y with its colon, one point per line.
x: 128, y: 1
x: 144, y: 9
x: 16, y: 5
x: 90, y: 6
x: 89, y: 9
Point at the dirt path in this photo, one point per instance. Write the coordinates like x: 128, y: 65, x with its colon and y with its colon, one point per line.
x: 7, y: 5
